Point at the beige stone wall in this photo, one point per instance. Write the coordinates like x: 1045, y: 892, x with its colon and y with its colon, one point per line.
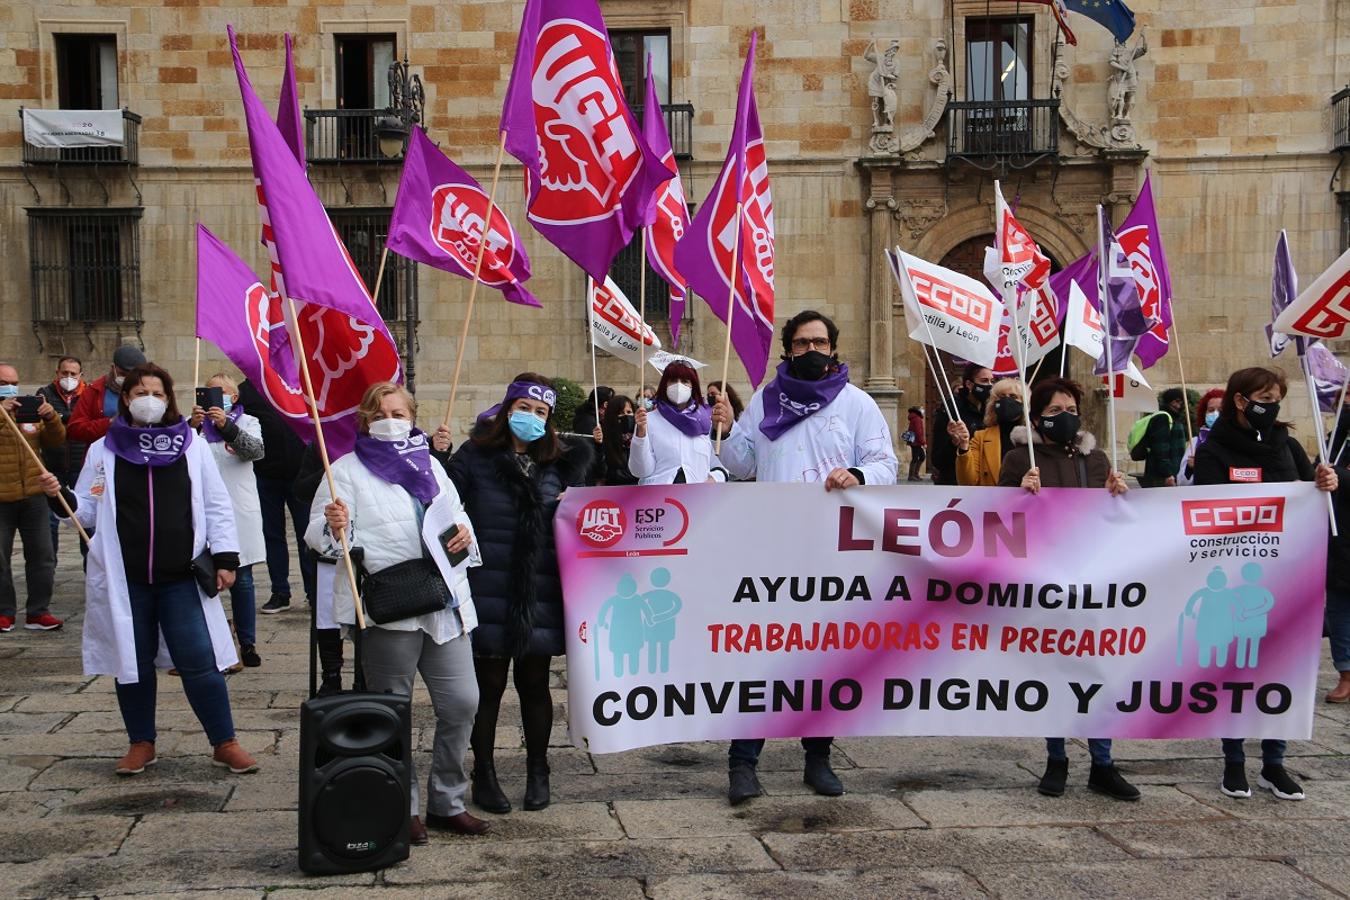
x: 1233, y: 113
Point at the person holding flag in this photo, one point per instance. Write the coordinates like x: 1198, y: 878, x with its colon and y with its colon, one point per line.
x: 673, y: 447
x: 972, y: 398
x: 806, y: 425
x: 979, y: 456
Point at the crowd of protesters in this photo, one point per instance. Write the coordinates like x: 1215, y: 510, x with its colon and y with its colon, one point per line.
x: 180, y: 507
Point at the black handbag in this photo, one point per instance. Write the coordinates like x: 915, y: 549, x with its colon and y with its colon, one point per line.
x: 203, y: 568
x: 404, y: 590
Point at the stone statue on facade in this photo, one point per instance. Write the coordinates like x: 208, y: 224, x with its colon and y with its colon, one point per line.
x: 1123, y: 86
x: 941, y: 79
x: 881, y: 88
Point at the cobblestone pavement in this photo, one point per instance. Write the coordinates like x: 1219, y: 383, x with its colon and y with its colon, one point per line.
x: 931, y: 817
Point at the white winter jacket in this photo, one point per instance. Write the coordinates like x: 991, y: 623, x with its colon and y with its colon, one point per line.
x: 243, y: 486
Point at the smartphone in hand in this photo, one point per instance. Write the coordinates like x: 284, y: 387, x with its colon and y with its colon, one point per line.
x: 211, y: 397
x: 27, y: 410
x: 444, y: 537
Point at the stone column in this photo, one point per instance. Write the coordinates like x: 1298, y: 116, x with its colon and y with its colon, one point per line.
x: 880, y: 381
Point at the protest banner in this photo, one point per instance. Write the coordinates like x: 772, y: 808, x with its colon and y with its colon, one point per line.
x: 950, y: 611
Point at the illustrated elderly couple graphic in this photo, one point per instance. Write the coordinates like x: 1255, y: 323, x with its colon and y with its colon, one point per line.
x: 1226, y: 614
x: 638, y: 620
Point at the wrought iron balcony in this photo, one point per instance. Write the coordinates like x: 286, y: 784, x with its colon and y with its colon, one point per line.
x: 1340, y: 120
x: 127, y: 154
x: 1005, y: 129
x: 354, y: 136
x: 679, y: 125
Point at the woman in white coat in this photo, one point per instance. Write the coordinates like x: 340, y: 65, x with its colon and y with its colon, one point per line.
x: 235, y: 439
x: 390, y: 491
x: 673, y: 447
x: 162, y: 525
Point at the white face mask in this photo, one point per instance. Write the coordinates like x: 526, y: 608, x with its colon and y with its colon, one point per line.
x: 147, y: 410
x: 390, y: 429
x: 69, y: 384
x: 117, y: 381
x: 678, y: 392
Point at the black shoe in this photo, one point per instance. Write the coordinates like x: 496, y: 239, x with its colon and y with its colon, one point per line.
x: 821, y: 777
x: 1234, y: 782
x: 487, y: 793
x: 536, y: 784
x: 275, y: 604
x: 1108, y: 780
x: 742, y: 784
x: 331, y: 684
x: 248, y: 655
x: 1275, y: 779
x: 1055, y: 778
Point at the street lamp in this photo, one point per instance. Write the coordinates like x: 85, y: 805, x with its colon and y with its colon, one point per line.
x: 407, y: 100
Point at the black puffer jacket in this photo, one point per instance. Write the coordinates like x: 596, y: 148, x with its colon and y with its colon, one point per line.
x: 518, y: 590
x: 1273, y: 457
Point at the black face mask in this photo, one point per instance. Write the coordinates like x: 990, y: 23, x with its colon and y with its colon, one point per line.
x: 980, y: 392
x: 1008, y: 411
x: 1261, y: 415
x: 810, y: 366
x: 1061, y: 428
x: 627, y: 424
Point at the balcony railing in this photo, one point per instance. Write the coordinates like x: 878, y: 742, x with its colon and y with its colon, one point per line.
x: 349, y: 136
x: 1340, y: 120
x: 1003, y: 129
x: 679, y: 125
x: 127, y: 154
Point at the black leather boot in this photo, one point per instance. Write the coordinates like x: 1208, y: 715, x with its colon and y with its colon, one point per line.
x: 536, y: 783
x: 487, y: 793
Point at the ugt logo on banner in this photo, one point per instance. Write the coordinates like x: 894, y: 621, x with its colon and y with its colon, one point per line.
x: 458, y: 216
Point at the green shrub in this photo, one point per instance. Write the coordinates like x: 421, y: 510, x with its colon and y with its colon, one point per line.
x: 570, y: 396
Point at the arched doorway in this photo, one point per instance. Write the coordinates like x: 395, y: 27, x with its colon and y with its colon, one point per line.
x: 967, y: 258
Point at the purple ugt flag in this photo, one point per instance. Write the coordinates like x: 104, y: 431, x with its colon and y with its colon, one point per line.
x: 438, y: 220
x: 671, y: 221
x: 1122, y: 312
x: 704, y: 255
x: 590, y: 177
x: 289, y: 122
x: 1283, y: 291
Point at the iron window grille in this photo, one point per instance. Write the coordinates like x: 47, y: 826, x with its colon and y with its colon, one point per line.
x: 364, y: 230
x: 85, y: 265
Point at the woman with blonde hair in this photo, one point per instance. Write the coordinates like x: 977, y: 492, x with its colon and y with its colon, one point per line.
x: 979, y: 456
x: 386, y: 487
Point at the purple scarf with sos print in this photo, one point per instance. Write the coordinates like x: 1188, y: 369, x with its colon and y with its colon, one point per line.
x: 790, y: 401
x: 158, y: 445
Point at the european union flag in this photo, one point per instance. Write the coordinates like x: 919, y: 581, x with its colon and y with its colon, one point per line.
x: 1112, y: 15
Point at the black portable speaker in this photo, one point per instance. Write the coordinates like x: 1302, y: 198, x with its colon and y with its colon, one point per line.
x: 355, y: 762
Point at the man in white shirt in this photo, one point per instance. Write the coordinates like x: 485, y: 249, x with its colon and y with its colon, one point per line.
x: 808, y: 424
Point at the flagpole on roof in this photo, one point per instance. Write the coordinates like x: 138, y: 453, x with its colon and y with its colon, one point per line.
x: 477, y: 269
x: 731, y: 305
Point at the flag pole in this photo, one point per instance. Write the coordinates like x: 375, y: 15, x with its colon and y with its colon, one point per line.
x: 731, y: 309
x: 473, y: 284
x: 197, y: 364
x: 327, y: 465
x: 1340, y: 405
x: 379, y: 276
x: 937, y: 380
x: 595, y: 376
x: 1181, y: 370
x: 1016, y: 334
x: 1105, y: 299
x: 642, y: 314
x: 1321, y: 437
x: 70, y: 513
x: 952, y: 412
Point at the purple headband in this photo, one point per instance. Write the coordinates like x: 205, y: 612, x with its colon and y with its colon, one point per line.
x: 530, y: 390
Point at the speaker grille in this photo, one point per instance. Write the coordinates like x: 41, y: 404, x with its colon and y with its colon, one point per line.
x: 359, y: 810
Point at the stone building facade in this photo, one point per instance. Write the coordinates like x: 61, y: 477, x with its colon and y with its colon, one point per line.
x: 1234, y: 113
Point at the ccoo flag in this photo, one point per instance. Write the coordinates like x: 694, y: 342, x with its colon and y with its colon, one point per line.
x: 672, y: 212
x: 716, y: 235
x: 616, y: 326
x: 1323, y: 309
x: 438, y: 220
x: 590, y: 177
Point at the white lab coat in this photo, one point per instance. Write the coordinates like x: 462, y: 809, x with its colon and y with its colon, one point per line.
x: 658, y: 457
x: 383, y: 522
x: 243, y: 487
x: 849, y: 433
x: 109, y: 642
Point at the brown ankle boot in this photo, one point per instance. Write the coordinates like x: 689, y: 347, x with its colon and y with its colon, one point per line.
x: 140, y: 755
x: 1341, y: 692
x: 229, y: 755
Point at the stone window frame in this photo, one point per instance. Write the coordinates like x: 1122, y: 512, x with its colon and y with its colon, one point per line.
x: 1044, y: 36
x: 48, y: 28
x: 330, y: 29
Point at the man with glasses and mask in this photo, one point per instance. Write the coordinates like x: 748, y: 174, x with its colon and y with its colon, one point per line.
x: 806, y: 425
x: 97, y: 405
x: 976, y: 383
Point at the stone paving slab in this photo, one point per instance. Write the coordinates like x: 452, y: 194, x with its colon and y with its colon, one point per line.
x: 577, y: 888
x: 1132, y: 879
x: 845, y: 885
x: 206, y: 831
x: 946, y: 808
x: 24, y: 840
x: 713, y: 817
x: 1262, y: 838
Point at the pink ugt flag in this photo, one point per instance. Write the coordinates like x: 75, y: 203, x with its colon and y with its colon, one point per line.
x: 590, y: 177
x: 439, y: 217
x: 704, y: 256
x: 672, y: 212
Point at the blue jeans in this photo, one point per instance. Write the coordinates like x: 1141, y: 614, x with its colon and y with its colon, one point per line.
x: 242, y: 606
x: 1098, y: 748
x: 1338, y: 626
x: 276, y: 496
x: 1272, y: 751
x: 745, y: 752
x: 175, y: 609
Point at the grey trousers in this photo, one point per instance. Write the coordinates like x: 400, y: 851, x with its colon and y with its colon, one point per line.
x: 390, y: 659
